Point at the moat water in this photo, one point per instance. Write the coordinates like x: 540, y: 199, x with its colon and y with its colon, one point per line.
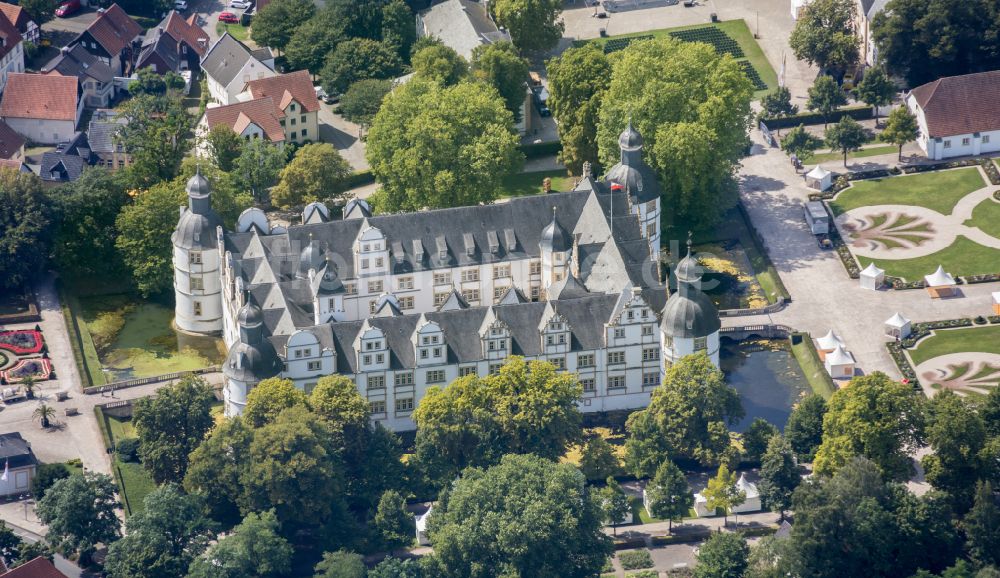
x: 767, y: 377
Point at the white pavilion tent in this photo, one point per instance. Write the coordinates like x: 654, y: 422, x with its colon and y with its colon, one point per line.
x: 421, y: 525
x: 829, y: 342
x: 897, y: 326
x: 996, y: 303
x: 819, y: 178
x: 940, y: 283
x: 872, y: 277
x: 752, y: 502
x: 839, y: 363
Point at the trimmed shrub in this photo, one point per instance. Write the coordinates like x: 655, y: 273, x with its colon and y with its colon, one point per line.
x: 47, y: 475
x: 635, y: 559
x: 644, y: 574
x: 128, y: 450
x: 807, y: 118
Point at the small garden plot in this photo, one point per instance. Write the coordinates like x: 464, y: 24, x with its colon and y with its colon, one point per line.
x: 36, y: 367
x: 635, y: 559
x: 21, y: 342
x: 939, y: 191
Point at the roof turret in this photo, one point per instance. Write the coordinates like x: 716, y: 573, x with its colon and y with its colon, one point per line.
x: 198, y: 222
x: 554, y: 237
x: 251, y: 358
x: 689, y: 313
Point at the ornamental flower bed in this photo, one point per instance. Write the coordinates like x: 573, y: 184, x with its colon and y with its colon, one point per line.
x: 22, y: 341
x: 36, y: 367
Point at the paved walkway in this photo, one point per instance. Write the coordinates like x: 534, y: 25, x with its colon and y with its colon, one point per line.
x: 823, y: 296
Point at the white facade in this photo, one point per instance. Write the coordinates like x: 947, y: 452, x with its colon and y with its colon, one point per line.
x: 45, y: 131
x: 252, y: 69
x: 677, y: 347
x: 197, y: 283
x: 13, y: 61
x: 958, y: 145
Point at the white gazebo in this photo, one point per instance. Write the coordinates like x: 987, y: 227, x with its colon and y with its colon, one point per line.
x: 839, y: 363
x: 819, y: 178
x: 421, y: 523
x: 797, y: 6
x: 897, y: 326
x: 701, y: 506
x: 828, y: 343
x: 872, y: 277
x: 752, y: 502
x: 940, y: 283
x: 996, y: 303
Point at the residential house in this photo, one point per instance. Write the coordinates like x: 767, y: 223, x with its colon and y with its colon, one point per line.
x: 63, y: 166
x: 251, y: 119
x: 297, y: 107
x: 11, y: 143
x: 958, y: 115
x: 229, y: 66
x: 101, y: 133
x: 19, y: 464
x: 113, y: 38
x: 43, y: 108
x: 11, y: 50
x: 95, y: 76
x: 18, y: 16
x: 37, y: 568
x: 175, y: 44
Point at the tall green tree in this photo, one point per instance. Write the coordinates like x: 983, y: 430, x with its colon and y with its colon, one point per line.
x: 900, y: 128
x: 393, y: 525
x: 80, y: 513
x: 722, y: 492
x: 150, y: 82
x: 442, y: 147
x: 276, y: 23
x: 669, y: 494
x: 615, y: 505
x: 534, y: 25
x: 396, y: 568
x: 876, y: 89
x: 162, y: 539
x: 314, y: 39
x: 846, y: 136
x: 253, y: 550
x: 363, y: 100
x: 756, y: 438
x: 598, y: 459
x: 224, y: 146
x: 215, y: 468
x: 526, y: 516
x: 692, y: 108
x: 989, y: 411
x: 171, y: 425
x: 84, y: 243
x: 157, y: 134
x: 875, y: 417
x: 723, y: 555
x: 825, y: 97
x: 824, y: 34
x: 341, y: 564
x: 691, y: 410
x: 500, y: 66
x: 804, y: 428
x: 778, y: 103
x: 357, y: 59
x: 646, y: 446
x: 800, y: 142
x: 10, y: 543
x: 578, y: 79
x: 40, y: 11
x: 957, y: 435
x: 25, y: 236
x: 779, y: 475
x: 258, y: 166
x: 316, y: 173
x: 982, y: 526
x: 397, y: 27
x: 269, y: 398
x: 439, y: 63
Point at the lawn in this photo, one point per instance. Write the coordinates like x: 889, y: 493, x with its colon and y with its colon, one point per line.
x: 241, y: 33
x: 524, y: 184
x: 979, y: 339
x: 987, y: 217
x: 737, y: 30
x: 938, y: 191
x: 819, y: 379
x: 963, y: 257
x: 865, y: 152
x: 133, y: 480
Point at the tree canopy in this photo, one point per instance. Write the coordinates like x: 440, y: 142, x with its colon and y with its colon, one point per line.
x: 275, y: 24
x: 825, y: 97
x: 439, y: 63
x: 578, y: 80
x: 499, y: 65
x: 316, y: 173
x: 156, y: 134
x: 80, y: 512
x: 804, y: 428
x: 876, y: 89
x: 171, y: 425
x: 534, y: 25
x: 253, y: 550
x: 669, y: 494
x: 357, y: 59
x: 723, y: 555
x: 900, y: 128
x: 84, y: 243
x: 779, y: 475
x: 846, y: 136
x: 824, y: 34
x: 24, y: 228
x: 526, y: 516
x: 433, y: 146
x: 363, y: 100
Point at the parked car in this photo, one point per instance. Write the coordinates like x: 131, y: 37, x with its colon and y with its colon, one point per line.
x: 331, y: 98
x: 180, y: 5
x: 241, y: 4
x: 68, y: 8
x: 320, y: 93
x: 229, y: 18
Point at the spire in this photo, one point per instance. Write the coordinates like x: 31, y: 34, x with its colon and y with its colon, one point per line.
x: 199, y: 193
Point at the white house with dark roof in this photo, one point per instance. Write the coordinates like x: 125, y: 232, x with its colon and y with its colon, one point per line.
x: 402, y: 302
x: 958, y: 115
x: 20, y: 464
x: 462, y: 25
x: 229, y: 65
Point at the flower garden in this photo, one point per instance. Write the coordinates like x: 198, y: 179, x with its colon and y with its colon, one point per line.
x: 962, y: 355
x: 23, y: 355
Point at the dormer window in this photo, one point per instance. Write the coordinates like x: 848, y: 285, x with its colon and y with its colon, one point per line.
x: 418, y: 249
x: 470, y: 244
x: 493, y: 241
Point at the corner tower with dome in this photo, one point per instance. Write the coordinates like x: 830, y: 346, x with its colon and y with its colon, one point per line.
x: 632, y: 175
x: 197, y: 282
x: 690, y: 322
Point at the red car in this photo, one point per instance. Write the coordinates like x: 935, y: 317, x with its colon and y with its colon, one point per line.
x: 68, y: 8
x: 229, y: 18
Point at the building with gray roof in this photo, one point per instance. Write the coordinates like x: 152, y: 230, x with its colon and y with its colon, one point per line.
x: 461, y: 25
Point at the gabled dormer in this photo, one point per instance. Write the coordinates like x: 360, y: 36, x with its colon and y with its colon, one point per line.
x: 495, y: 336
x: 428, y: 343
x: 305, y: 356
x: 554, y: 331
x: 631, y: 321
x: 372, y: 348
x: 371, y: 251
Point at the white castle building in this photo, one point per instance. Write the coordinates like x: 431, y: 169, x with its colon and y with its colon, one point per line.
x: 402, y: 302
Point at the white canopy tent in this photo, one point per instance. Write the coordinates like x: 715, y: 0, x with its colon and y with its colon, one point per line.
x: 940, y: 283
x: 872, y: 277
x: 897, y: 326
x: 829, y: 342
x: 839, y: 363
x: 819, y: 178
x: 421, y: 525
x: 752, y: 502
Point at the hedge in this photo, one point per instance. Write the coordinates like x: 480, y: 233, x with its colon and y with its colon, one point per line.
x: 807, y: 118
x: 358, y: 179
x: 541, y: 149
x: 635, y: 559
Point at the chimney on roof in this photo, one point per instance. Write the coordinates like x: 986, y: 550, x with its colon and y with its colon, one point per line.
x: 100, y: 10
x: 64, y: 50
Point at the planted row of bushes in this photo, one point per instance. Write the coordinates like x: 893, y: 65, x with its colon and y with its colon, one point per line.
x: 807, y: 118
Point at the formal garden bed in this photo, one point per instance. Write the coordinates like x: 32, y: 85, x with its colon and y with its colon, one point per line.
x: 22, y: 341
x: 37, y: 368
x: 939, y: 339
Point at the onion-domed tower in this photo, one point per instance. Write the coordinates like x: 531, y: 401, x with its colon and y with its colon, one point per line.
x: 251, y: 359
x: 556, y: 249
x: 690, y: 320
x: 197, y: 284
x: 639, y: 182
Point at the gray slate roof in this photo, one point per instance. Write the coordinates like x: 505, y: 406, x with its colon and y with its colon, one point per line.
x: 461, y: 25
x: 78, y: 62
x: 14, y: 448
x: 102, y: 129
x: 67, y: 165
x: 225, y: 59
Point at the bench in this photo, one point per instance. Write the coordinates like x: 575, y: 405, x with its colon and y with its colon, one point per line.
x: 72, y: 411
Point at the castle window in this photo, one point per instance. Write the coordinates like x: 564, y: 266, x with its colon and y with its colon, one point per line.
x: 535, y: 268
x: 495, y: 367
x: 379, y: 358
x: 197, y: 308
x: 367, y: 360
x: 647, y: 329
x: 404, y: 405
x: 616, y: 357
x: 440, y: 298
x: 377, y: 406
x: 437, y: 352
x: 501, y: 271
x: 548, y: 340
x: 585, y: 360
x: 195, y: 257
x: 619, y: 333
x: 650, y: 379
x: 700, y: 343
x: 351, y: 288
x: 616, y: 382
x: 469, y: 275
x: 651, y: 206
x: 406, y: 303
x: 435, y: 376
x: 650, y: 354
x: 376, y: 382
x: 404, y: 378
x: 375, y: 286
x: 559, y: 362
x: 498, y: 292
x: 467, y: 370
x: 470, y: 295
x: 314, y: 366
x: 442, y: 278
x: 405, y: 283
x: 651, y: 230
x: 197, y: 284
x: 364, y: 263
x: 379, y: 262
x: 588, y: 384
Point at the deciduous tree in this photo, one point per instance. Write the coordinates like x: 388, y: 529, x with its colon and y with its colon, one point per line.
x: 80, y: 512
x: 269, y: 398
x: 156, y: 133
x: 171, y: 425
x: 543, y: 522
x: 846, y: 136
x: 442, y: 147
x: 500, y: 66
x: 900, y: 128
x: 722, y: 492
x: 876, y: 89
x: 396, y: 568
x: 341, y: 564
x: 779, y: 475
x: 258, y: 166
x: 534, y: 25
x: 598, y: 459
x: 756, y: 438
x: 799, y: 142
x: 275, y: 24
x: 825, y: 97
x: 958, y: 437
x: 311, y: 42
x: 25, y: 235
x: 397, y: 27
x: 439, y: 63
x: 578, y: 79
x: 363, y: 99
x: 215, y: 468
x: 393, y: 525
x: 224, y: 146
x: 357, y: 59
x: 804, y: 429
x: 723, y: 555
x: 982, y: 526
x: 669, y: 494
x: 40, y: 11
x: 615, y: 505
x: 316, y: 173
x: 824, y: 34
x: 875, y: 417
x: 778, y: 103
x: 84, y: 243
x: 253, y: 550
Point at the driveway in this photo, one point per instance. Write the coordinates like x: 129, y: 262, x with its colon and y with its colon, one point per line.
x: 62, y: 30
x: 344, y: 135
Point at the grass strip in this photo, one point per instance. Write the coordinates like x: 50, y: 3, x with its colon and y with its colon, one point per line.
x: 805, y: 353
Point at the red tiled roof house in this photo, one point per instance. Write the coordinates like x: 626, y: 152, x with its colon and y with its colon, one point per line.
x: 958, y: 115
x: 112, y: 38
x: 37, y: 568
x: 11, y: 49
x: 297, y: 106
x: 42, y: 108
x: 251, y: 119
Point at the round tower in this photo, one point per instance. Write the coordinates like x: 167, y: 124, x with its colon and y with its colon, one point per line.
x: 197, y: 281
x: 690, y: 320
x: 556, y: 248
x: 251, y: 359
x: 639, y: 182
